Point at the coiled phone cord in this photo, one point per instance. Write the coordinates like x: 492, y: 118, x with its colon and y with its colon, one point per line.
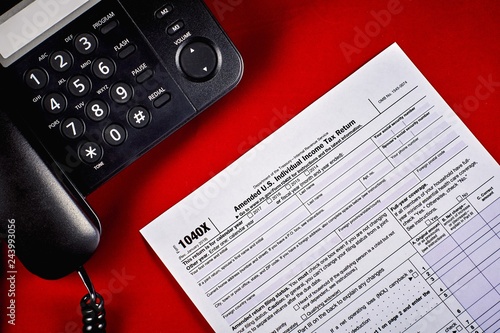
x: 92, y: 307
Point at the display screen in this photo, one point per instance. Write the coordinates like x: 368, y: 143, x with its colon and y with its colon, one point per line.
x: 29, y: 19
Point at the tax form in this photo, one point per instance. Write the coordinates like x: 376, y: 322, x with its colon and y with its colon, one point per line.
x: 373, y: 210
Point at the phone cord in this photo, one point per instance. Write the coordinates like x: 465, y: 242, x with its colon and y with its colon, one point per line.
x: 92, y: 307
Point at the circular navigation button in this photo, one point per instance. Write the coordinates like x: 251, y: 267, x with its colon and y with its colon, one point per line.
x: 198, y: 60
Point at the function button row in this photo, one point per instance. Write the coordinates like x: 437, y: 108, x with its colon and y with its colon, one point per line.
x: 198, y: 60
x: 164, y: 11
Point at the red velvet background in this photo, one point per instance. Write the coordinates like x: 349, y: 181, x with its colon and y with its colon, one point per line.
x: 294, y: 51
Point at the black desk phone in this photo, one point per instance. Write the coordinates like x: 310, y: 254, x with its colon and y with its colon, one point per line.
x: 87, y: 87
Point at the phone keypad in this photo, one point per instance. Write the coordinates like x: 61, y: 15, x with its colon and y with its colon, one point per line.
x: 103, y: 89
x: 95, y: 110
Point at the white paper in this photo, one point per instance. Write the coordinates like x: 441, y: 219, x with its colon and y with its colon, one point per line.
x: 373, y: 210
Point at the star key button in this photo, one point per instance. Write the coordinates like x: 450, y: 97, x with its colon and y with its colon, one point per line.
x: 198, y: 60
x: 90, y: 152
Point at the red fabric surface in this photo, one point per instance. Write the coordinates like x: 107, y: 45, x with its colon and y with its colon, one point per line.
x: 294, y: 52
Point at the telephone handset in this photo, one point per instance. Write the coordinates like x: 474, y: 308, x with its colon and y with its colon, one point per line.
x: 90, y: 85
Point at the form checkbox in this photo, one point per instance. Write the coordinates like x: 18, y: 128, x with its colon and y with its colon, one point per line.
x: 296, y: 307
x: 269, y: 200
x: 306, y: 172
x: 288, y: 186
x: 304, y: 317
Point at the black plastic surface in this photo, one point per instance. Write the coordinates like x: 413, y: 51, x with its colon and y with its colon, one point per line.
x: 51, y: 229
x: 120, y: 27
x: 43, y: 175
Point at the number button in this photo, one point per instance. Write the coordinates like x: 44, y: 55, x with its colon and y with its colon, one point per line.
x: 54, y: 103
x: 85, y: 43
x: 36, y: 78
x: 103, y: 68
x: 72, y: 128
x: 79, y: 85
x: 115, y: 135
x: 97, y: 110
x: 121, y: 92
x: 61, y: 61
x: 90, y: 152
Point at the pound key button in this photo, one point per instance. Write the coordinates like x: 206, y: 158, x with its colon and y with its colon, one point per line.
x: 139, y: 117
